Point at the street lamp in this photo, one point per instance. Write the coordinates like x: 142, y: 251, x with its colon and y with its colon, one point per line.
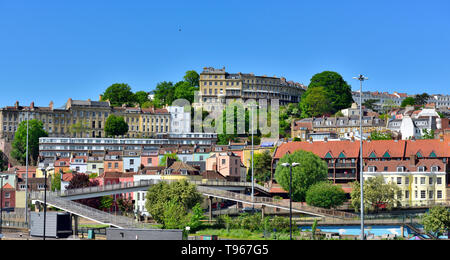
x: 290, y: 193
x: 1, y: 203
x: 361, y: 78
x: 44, y: 171
x: 252, y: 106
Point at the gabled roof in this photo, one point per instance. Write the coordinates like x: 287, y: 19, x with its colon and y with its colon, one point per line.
x: 321, y: 148
x: 428, y: 146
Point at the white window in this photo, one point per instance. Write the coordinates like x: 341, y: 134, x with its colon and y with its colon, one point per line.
x: 400, y: 169
x: 434, y: 168
x: 439, y: 194
x: 422, y: 180
x: 439, y: 180
x: 421, y: 168
x: 371, y: 168
x: 423, y: 194
x: 399, y: 180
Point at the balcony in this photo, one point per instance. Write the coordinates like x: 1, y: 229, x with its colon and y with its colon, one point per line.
x: 345, y: 165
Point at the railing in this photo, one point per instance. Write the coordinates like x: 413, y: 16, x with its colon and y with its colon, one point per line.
x: 147, y: 183
x: 84, y: 211
x: 274, y: 203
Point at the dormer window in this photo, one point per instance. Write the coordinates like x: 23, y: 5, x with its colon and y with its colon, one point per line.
x: 434, y: 168
x: 400, y: 169
x: 421, y: 168
x: 371, y: 169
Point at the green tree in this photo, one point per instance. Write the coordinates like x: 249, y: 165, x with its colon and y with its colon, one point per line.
x: 184, y: 90
x: 261, y: 166
x: 181, y: 193
x: 115, y: 126
x: 195, y: 217
x: 119, y: 94
x: 376, y: 194
x: 325, y: 195
x: 163, y: 160
x: 315, y: 102
x: 106, y: 202
x: 422, y: 99
x: 56, y: 181
x: 35, y: 131
x: 375, y: 135
x: 192, y: 78
x: 338, y: 92
x: 371, y: 104
x: 428, y: 134
x: 141, y: 97
x: 437, y: 221
x: 409, y: 101
x: 3, y: 161
x: 165, y: 92
x: 174, y: 215
x: 311, y: 170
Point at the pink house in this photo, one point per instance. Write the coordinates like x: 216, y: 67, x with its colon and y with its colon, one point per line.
x: 227, y: 164
x: 149, y: 158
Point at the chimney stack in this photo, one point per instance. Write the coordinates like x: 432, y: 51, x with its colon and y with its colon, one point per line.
x: 16, y: 104
x: 100, y: 97
x: 51, y: 105
x: 32, y: 105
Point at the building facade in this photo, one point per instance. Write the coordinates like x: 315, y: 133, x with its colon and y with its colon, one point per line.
x: 217, y: 86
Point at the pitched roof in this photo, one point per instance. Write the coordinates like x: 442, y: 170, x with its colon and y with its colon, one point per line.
x: 349, y: 148
x: 384, y: 148
x: 427, y: 146
x: 7, y: 186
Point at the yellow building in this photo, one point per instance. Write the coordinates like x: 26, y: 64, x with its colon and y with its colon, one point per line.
x: 217, y: 86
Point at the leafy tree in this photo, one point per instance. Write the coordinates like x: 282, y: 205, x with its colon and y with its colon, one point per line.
x: 141, y: 97
x: 184, y: 90
x: 315, y: 102
x: 422, y: 99
x: 388, y: 105
x: 338, y: 92
x: 119, y: 94
x: 181, y: 194
x: 165, y: 92
x: 409, y: 101
x: 3, y: 161
x: 192, y: 78
x: 174, y: 216
x: 325, y: 195
x: 35, y: 131
x: 375, y: 135
x: 428, y: 134
x: 287, y: 114
x: 115, y: 125
x: 56, y: 181
x: 370, y: 104
x: 195, y: 217
x: 261, y: 166
x: 125, y: 205
x: 311, y: 170
x: 376, y: 194
x: 163, y: 160
x: 437, y: 221
x: 106, y: 202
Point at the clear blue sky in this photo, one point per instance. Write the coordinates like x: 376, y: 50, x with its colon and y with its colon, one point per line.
x: 53, y: 50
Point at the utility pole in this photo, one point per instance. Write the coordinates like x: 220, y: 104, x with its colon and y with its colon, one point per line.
x: 361, y: 78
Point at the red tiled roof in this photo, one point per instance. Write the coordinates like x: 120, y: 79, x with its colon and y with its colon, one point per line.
x: 380, y: 147
x: 7, y: 186
x: 427, y: 146
x: 349, y: 148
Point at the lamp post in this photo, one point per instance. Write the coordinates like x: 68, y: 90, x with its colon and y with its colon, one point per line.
x: 361, y: 78
x: 290, y: 165
x: 1, y: 203
x: 44, y: 171
x: 252, y: 106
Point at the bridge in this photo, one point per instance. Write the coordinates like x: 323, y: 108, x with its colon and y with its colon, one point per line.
x: 210, y: 189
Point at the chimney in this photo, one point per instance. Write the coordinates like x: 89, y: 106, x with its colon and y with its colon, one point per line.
x: 51, y: 105
x: 16, y: 104
x: 69, y: 103
x: 325, y: 139
x: 100, y: 97
x: 412, y: 160
x: 32, y: 105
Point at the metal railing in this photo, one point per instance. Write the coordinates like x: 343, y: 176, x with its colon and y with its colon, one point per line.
x: 85, y: 211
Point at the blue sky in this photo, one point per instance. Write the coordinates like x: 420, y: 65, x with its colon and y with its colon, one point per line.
x: 53, y: 50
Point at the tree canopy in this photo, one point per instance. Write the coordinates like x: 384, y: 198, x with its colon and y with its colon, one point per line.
x: 164, y: 197
x: 261, y: 167
x: 325, y: 195
x: 312, y: 169
x: 119, y: 94
x: 166, y: 92
x: 377, y: 194
x: 437, y: 221
x: 115, y: 126
x: 35, y: 131
x: 337, y: 90
x: 409, y: 101
x: 315, y: 102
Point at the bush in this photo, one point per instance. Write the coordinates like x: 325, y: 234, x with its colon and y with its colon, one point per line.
x: 325, y: 195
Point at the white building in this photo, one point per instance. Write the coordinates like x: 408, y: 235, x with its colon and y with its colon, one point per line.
x: 180, y: 119
x: 441, y: 101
